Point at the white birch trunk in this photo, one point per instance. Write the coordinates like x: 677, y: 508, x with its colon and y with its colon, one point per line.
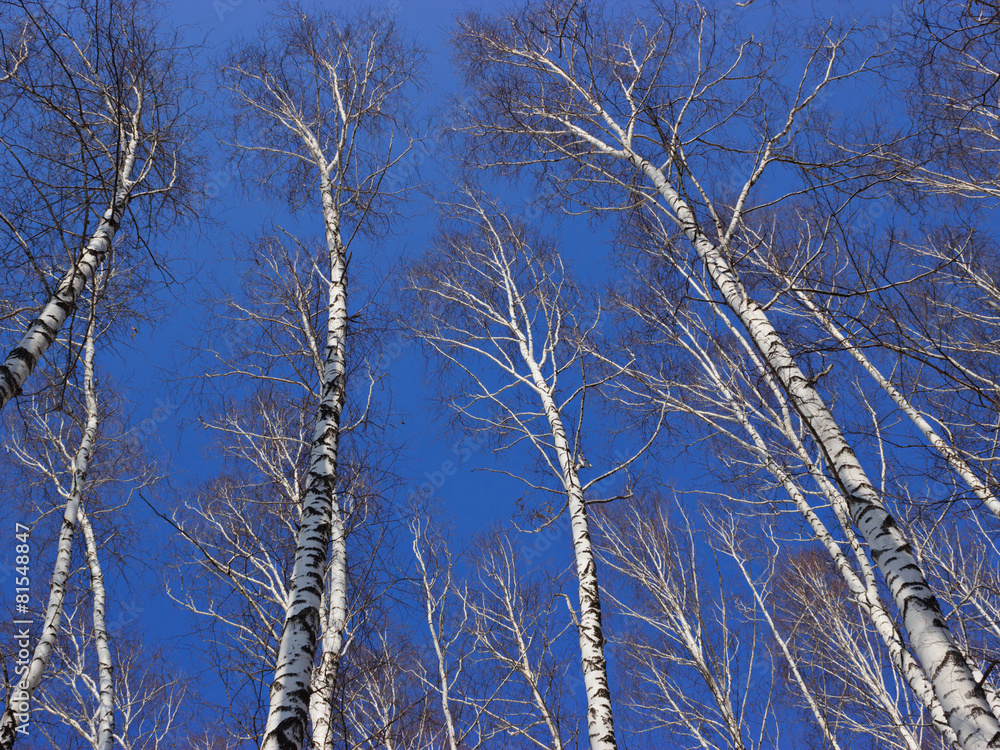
x: 863, y: 591
x: 43, y: 330
x: 600, y: 717
x: 105, y: 667
x: 60, y: 573
x: 334, y: 621
x: 321, y: 519
x: 964, y: 701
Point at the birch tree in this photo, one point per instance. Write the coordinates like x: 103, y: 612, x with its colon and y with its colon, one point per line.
x: 152, y: 699
x: 759, y: 443
x: 492, y: 295
x: 386, y: 705
x: 499, y: 638
x: 519, y: 621
x: 72, y: 489
x: 236, y: 537
x: 100, y: 135
x: 689, y: 655
x: 947, y: 49
x: 322, y: 95
x: 595, y: 91
x: 446, y: 616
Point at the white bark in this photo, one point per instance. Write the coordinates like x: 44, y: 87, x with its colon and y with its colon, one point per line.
x: 948, y: 452
x: 61, y: 570
x: 435, y: 611
x: 965, y: 703
x: 105, y: 666
x: 762, y: 607
x: 600, y: 718
x: 694, y: 639
x: 334, y: 621
x: 863, y: 587
x: 321, y: 521
x: 315, y: 84
x: 518, y: 324
x: 43, y: 330
x: 511, y: 628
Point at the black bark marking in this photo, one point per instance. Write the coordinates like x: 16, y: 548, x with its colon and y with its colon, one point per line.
x: 955, y: 657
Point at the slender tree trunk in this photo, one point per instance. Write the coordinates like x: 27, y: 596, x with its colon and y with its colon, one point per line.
x: 321, y: 701
x: 436, y: 636
x: 321, y: 519
x: 864, y: 592
x: 964, y: 700
x: 600, y: 717
x: 524, y: 667
x: 60, y: 573
x: 105, y: 667
x: 43, y: 330
x: 790, y: 660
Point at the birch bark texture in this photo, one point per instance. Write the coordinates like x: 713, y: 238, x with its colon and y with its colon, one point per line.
x: 100, y: 95
x: 592, y: 89
x: 59, y: 580
x: 718, y: 378
x: 323, y: 94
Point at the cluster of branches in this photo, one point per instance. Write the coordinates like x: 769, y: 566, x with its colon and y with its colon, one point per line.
x: 831, y: 371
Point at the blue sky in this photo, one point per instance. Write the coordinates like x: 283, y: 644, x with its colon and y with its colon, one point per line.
x: 159, y: 368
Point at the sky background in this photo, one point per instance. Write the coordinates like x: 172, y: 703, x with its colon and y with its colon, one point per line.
x: 160, y: 371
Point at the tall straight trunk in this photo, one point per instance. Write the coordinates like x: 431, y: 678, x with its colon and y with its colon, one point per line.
x: 863, y: 591
x: 105, y: 667
x: 321, y: 520
x: 321, y: 700
x: 60, y: 573
x: 964, y: 700
x: 600, y: 716
x: 42, y: 331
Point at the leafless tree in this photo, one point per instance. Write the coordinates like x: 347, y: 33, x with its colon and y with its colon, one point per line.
x: 100, y: 136
x: 446, y: 615
x: 606, y: 95
x: 518, y: 621
x: 319, y: 98
x: 239, y: 530
x: 151, y: 698
x: 492, y: 295
x: 694, y: 655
